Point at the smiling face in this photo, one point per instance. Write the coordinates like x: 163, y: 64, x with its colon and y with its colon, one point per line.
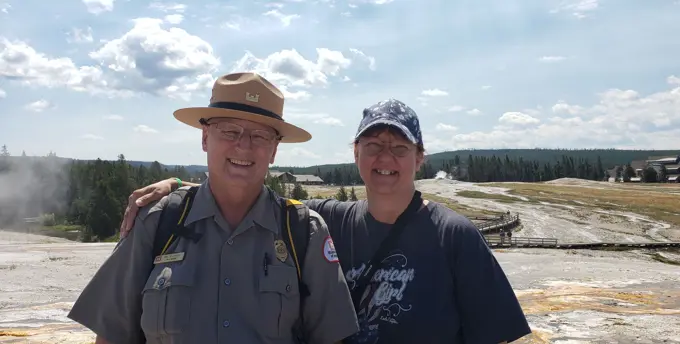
x: 239, y: 151
x: 387, y: 161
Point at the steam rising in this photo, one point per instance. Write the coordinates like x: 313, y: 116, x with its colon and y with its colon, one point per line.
x: 30, y: 187
x: 442, y: 175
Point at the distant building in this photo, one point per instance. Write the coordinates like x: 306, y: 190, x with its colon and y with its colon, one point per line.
x: 666, y: 167
x: 308, y: 179
x: 284, y: 177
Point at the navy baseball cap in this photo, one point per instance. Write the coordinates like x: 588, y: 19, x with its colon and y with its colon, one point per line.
x: 393, y: 113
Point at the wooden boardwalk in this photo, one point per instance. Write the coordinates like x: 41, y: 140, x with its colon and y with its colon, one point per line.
x: 519, y: 242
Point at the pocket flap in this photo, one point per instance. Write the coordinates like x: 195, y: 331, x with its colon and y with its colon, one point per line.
x: 280, y: 279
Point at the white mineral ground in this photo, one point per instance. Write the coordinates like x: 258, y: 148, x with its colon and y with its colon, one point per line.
x: 569, y: 296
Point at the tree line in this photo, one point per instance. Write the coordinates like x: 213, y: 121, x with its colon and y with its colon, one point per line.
x: 92, y: 195
x: 479, y: 169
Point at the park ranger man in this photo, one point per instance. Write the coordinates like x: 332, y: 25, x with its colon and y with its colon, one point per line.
x: 233, y: 280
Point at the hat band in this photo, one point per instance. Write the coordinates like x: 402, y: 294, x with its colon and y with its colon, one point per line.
x: 245, y: 108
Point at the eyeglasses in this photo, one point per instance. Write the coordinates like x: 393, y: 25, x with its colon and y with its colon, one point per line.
x: 233, y: 132
x: 373, y: 148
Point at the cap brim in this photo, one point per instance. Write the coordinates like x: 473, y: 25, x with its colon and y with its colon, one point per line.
x: 390, y: 123
x: 289, y: 132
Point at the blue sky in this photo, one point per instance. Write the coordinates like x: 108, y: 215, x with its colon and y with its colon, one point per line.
x: 96, y: 78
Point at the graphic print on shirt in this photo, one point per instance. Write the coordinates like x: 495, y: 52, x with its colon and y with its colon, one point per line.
x: 387, y: 303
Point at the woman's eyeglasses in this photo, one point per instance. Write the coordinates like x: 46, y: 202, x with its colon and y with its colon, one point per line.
x: 373, y: 148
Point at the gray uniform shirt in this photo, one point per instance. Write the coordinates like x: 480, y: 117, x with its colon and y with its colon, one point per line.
x: 219, y: 292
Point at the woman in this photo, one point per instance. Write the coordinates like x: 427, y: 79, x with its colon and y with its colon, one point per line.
x: 437, y: 282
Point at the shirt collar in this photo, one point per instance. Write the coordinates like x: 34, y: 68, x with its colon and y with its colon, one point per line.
x: 263, y: 212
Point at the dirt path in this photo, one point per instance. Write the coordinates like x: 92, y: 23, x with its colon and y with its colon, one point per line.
x: 569, y: 297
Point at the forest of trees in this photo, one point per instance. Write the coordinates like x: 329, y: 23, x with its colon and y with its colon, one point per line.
x: 479, y: 169
x: 92, y: 195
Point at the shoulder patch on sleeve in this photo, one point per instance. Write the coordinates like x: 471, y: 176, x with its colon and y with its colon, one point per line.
x: 329, y: 252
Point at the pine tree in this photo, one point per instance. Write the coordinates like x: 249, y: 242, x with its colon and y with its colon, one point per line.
x: 298, y: 192
x: 342, y: 194
x: 353, y: 195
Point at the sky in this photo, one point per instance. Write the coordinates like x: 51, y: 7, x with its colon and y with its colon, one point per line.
x: 97, y: 78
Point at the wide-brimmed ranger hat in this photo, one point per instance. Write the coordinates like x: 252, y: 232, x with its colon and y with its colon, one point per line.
x: 246, y: 96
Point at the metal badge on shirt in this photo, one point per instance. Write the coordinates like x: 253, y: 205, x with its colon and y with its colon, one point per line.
x: 281, y: 250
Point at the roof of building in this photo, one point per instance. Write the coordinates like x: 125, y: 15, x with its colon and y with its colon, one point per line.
x: 638, y: 164
x: 274, y: 173
x: 662, y: 157
x: 307, y: 178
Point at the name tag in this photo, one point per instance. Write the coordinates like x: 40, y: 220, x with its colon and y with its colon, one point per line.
x: 169, y: 258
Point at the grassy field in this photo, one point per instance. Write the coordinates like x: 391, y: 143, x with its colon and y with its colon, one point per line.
x: 661, y: 202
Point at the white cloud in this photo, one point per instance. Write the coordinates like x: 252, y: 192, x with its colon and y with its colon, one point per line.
x: 173, y: 18
x: 318, y: 118
x: 578, y: 8
x: 549, y: 59
x: 288, y: 69
x: 292, y: 156
x: 149, y: 58
x: 113, y: 118
x: 39, y: 105
x: 80, y: 36
x: 673, y: 80
x: 145, y: 129
x: 445, y: 127
x: 285, y: 19
x: 20, y: 62
x: 378, y: 2
x: 146, y: 59
x: 434, y: 93
x: 98, y: 6
x: 474, y: 112
x: 5, y: 7
x: 621, y: 118
x: 91, y: 137
x: 561, y: 107
x: 362, y: 55
x: 3, y: 94
x: 168, y: 7
x: 517, y: 118
x: 456, y: 108
x: 486, y: 87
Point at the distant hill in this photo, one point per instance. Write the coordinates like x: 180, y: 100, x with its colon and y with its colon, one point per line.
x: 609, y: 158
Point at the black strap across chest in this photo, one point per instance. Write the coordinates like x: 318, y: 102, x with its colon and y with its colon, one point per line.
x: 385, y: 246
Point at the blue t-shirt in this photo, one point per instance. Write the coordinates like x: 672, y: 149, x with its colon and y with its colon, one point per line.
x: 441, y: 284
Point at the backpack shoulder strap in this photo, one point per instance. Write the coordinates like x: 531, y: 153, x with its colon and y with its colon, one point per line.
x: 296, y: 234
x: 173, y: 215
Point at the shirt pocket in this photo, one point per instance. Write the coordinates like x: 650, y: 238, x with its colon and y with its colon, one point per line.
x: 279, y: 300
x: 166, y: 302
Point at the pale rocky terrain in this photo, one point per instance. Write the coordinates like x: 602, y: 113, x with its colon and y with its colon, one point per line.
x: 569, y: 296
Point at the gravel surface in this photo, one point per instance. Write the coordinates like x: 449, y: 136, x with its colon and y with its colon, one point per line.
x: 569, y: 296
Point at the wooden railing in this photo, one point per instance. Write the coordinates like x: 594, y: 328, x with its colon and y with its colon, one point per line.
x: 506, y: 222
x: 535, y: 242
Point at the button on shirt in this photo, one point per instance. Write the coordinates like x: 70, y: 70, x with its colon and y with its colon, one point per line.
x: 220, y: 292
